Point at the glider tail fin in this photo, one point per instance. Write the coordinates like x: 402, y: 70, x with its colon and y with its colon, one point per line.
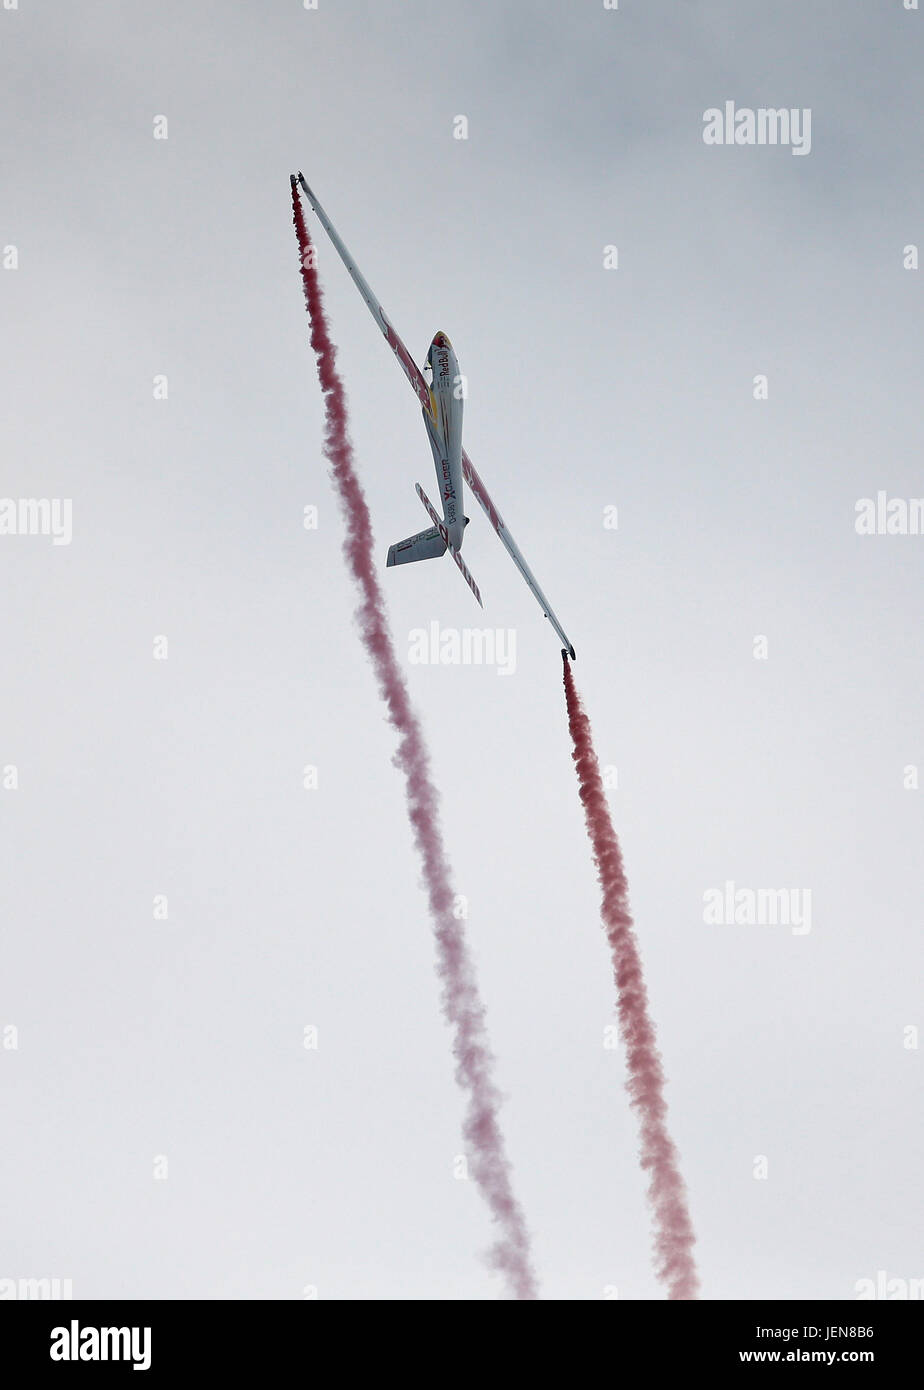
x: 426, y: 545
x: 460, y: 563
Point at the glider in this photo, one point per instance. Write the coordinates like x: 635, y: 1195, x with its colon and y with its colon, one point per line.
x: 439, y: 390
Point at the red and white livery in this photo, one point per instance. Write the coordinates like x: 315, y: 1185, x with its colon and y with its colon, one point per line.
x: 440, y: 393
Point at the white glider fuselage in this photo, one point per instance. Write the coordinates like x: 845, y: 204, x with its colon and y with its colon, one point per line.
x: 441, y: 402
x: 444, y: 430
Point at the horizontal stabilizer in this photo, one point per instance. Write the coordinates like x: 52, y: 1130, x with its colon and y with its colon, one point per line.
x: 426, y: 545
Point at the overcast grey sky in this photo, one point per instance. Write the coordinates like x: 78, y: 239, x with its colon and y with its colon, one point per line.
x: 588, y: 388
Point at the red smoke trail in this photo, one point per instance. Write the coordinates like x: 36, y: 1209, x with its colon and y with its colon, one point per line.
x: 674, y: 1236
x: 461, y: 1003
